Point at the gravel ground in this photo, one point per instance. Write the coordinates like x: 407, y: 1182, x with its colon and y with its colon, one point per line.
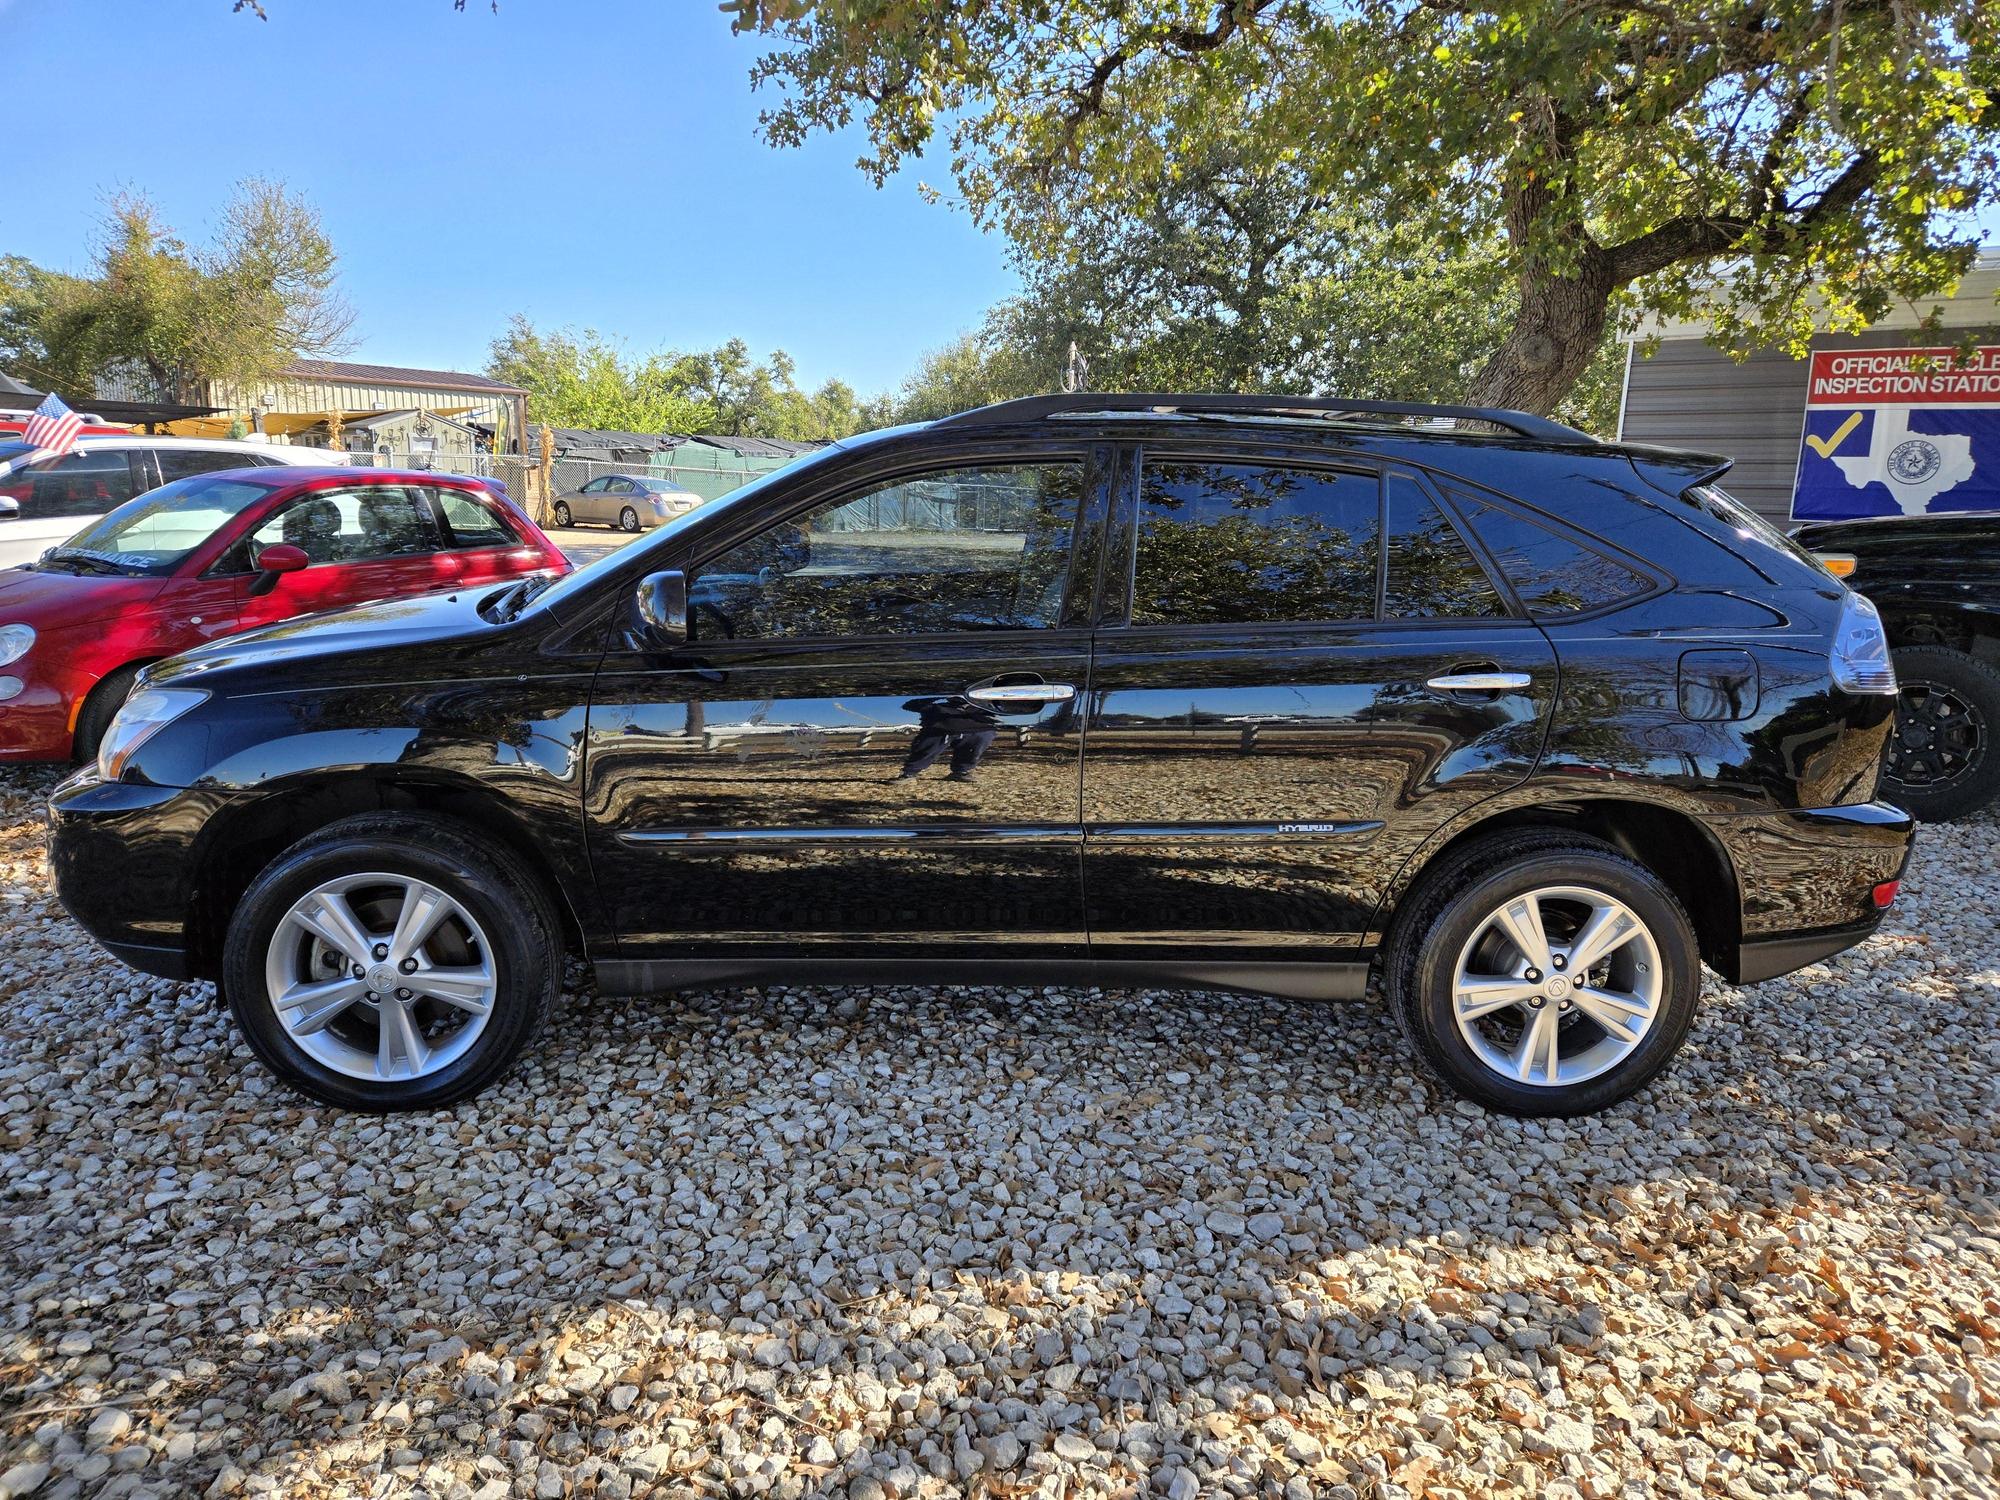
x: 896, y: 1242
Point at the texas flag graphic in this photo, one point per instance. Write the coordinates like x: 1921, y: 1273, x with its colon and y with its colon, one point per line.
x: 1900, y: 432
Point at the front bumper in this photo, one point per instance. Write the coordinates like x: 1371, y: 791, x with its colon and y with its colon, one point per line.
x: 37, y: 723
x: 1807, y: 880
x: 123, y: 856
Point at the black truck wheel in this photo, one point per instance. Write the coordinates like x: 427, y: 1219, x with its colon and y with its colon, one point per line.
x: 1942, y: 763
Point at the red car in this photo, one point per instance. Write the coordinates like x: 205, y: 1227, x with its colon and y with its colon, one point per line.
x: 217, y: 553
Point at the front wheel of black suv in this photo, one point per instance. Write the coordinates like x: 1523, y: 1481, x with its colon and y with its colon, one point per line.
x: 1941, y: 761
x: 392, y: 962
x: 1544, y: 974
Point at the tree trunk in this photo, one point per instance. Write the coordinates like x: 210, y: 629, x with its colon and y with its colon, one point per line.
x: 1562, y: 312
x: 1554, y: 337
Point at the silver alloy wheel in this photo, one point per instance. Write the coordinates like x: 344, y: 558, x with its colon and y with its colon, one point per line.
x: 381, y: 977
x: 1557, y: 986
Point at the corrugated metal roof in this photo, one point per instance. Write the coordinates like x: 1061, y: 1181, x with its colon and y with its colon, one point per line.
x: 757, y: 447
x: 337, y: 370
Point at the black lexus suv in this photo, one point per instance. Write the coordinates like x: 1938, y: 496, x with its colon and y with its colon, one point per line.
x: 1239, y: 692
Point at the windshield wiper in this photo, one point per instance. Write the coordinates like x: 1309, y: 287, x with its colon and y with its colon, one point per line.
x: 87, y: 558
x: 509, y: 604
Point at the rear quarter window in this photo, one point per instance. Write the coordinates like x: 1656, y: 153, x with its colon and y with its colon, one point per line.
x: 1551, y: 573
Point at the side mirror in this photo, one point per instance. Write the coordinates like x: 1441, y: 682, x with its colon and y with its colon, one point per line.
x: 10, y: 508
x: 273, y: 562
x: 663, y: 607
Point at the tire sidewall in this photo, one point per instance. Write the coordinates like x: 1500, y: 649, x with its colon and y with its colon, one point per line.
x: 1431, y: 1011
x: 510, y: 930
x: 1976, y: 683
x: 100, y: 708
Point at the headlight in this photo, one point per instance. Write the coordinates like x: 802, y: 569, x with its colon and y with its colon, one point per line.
x: 1861, y: 650
x: 145, y: 713
x: 14, y: 642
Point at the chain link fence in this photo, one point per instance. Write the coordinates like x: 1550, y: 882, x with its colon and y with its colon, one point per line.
x: 522, y: 475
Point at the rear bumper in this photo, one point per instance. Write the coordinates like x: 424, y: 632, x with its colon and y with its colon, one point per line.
x: 1807, y: 880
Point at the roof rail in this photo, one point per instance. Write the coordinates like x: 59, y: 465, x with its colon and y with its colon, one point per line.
x: 1034, y: 408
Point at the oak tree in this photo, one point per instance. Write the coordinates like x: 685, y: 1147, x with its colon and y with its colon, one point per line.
x: 1776, y: 165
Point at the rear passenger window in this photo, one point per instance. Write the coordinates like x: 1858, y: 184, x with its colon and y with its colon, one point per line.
x: 1225, y: 544
x: 472, y: 524
x: 1552, y: 574
x: 183, y: 463
x: 1432, y: 574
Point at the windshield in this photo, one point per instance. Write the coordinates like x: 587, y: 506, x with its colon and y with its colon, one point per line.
x: 574, y: 586
x: 658, y: 486
x: 152, y: 532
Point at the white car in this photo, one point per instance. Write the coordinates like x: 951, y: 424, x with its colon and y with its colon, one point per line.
x: 44, y: 500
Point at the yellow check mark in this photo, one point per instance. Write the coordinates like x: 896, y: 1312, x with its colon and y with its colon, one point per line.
x: 1824, y: 446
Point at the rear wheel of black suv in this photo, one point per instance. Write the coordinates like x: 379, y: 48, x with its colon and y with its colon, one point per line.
x: 1942, y: 762
x: 1544, y: 974
x: 392, y: 962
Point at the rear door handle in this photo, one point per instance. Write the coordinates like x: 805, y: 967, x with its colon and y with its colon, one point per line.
x: 1023, y: 692
x: 1480, y: 682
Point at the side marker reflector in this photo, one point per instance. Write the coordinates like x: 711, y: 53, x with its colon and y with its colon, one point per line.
x: 1885, y: 893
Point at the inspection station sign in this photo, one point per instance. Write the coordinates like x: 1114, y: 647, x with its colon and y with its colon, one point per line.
x: 1900, y: 432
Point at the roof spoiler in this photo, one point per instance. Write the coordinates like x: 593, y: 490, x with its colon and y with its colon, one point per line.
x: 1676, y: 470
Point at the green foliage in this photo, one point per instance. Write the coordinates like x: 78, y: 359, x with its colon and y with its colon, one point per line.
x: 175, y: 317
x: 975, y: 369
x: 581, y: 380
x: 1240, y: 279
x: 1778, y: 165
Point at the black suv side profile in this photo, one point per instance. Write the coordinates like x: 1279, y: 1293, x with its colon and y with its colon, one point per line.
x: 1239, y: 692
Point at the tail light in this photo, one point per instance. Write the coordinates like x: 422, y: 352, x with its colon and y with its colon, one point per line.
x: 1861, y: 650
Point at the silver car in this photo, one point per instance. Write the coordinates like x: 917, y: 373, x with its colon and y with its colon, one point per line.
x: 628, y: 501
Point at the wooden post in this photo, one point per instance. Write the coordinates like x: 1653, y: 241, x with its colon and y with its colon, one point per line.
x: 545, y: 498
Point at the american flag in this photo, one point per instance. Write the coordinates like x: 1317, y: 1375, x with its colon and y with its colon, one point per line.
x: 53, y: 427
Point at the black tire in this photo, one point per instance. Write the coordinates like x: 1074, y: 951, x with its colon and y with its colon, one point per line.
x: 505, y: 898
x: 100, y: 708
x: 628, y: 519
x: 562, y: 515
x: 1445, y: 913
x: 1942, y: 761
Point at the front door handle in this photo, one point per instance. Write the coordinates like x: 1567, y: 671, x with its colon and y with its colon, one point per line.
x: 1023, y: 692
x: 1480, y: 682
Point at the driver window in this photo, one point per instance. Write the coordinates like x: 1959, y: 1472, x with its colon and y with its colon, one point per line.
x: 982, y: 548
x: 352, y: 525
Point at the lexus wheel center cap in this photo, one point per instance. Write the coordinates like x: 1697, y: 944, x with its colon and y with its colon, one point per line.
x: 1558, y: 985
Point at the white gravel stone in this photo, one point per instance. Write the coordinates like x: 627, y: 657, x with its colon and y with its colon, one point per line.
x: 915, y: 1242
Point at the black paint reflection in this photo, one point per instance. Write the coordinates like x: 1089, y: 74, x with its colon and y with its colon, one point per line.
x: 1259, y: 789
x: 774, y: 797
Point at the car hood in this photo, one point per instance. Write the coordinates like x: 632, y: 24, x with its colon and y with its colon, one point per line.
x: 52, y: 600
x: 340, y: 636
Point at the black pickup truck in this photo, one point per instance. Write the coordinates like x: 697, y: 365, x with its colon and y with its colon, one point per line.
x: 1936, y: 581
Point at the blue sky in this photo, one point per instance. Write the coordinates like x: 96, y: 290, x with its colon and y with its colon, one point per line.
x: 425, y: 137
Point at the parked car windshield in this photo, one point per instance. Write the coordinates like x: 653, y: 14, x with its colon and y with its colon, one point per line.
x: 151, y: 533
